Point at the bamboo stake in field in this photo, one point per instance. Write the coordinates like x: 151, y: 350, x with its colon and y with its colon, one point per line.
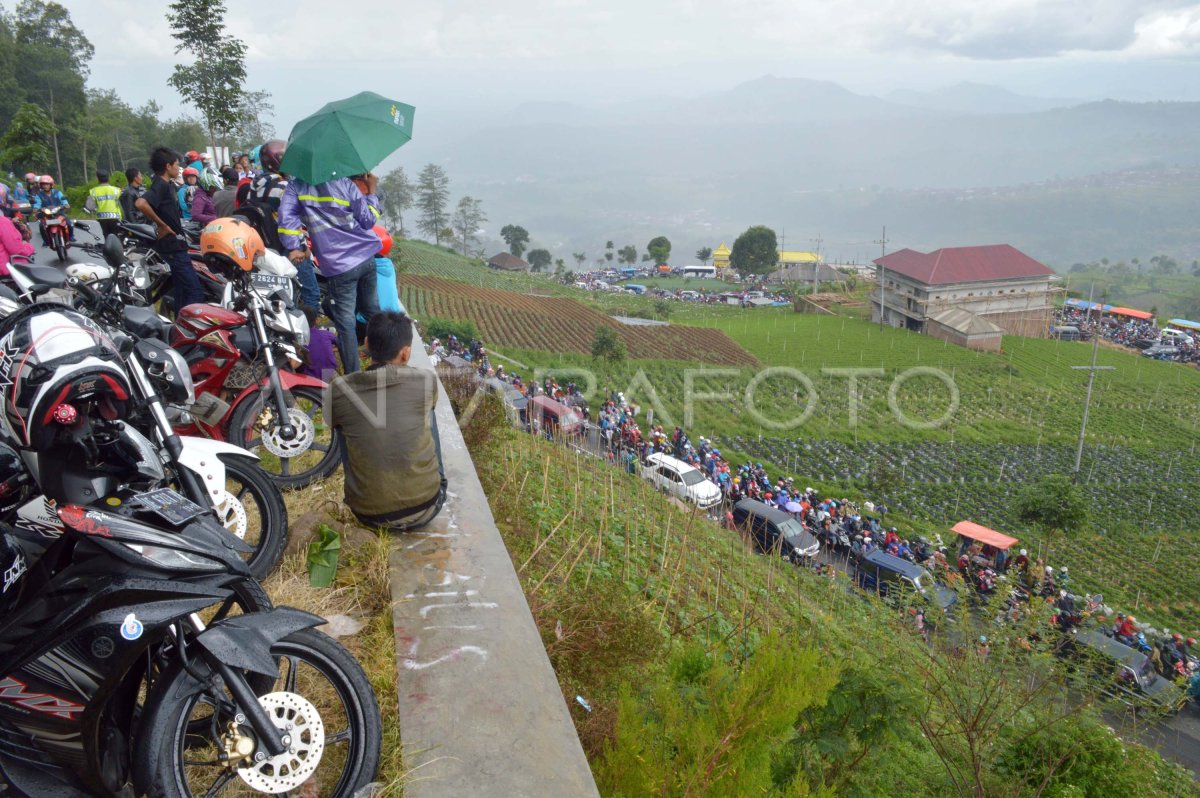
x: 544, y: 542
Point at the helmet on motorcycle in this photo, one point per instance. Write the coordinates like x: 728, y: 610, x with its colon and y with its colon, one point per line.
x: 191, y: 172
x: 230, y: 245
x: 385, y: 238
x: 192, y: 155
x: 271, y: 154
x: 46, y: 180
x: 62, y: 369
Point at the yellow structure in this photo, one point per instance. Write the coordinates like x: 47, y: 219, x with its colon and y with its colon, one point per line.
x: 720, y: 257
x: 796, y: 258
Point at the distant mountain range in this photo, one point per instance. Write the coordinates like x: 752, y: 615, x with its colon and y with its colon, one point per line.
x: 811, y: 156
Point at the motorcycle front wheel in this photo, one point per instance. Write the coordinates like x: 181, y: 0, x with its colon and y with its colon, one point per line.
x: 60, y: 246
x: 253, y: 509
x: 320, y: 696
x: 312, y: 455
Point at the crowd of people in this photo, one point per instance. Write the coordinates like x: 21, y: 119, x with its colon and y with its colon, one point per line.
x: 1123, y: 330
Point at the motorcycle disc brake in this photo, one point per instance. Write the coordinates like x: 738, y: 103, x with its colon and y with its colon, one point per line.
x: 294, y: 715
x: 306, y: 433
x: 230, y: 513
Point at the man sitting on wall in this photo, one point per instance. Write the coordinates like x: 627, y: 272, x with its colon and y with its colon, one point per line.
x: 394, y: 474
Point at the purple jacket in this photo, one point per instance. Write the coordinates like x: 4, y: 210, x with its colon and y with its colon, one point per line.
x: 203, y: 210
x: 339, y: 222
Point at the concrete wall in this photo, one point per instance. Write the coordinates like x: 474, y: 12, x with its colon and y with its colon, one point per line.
x: 481, y: 712
x: 987, y: 342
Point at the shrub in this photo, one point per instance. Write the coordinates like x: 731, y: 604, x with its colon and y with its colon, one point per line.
x: 608, y: 345
x: 442, y: 328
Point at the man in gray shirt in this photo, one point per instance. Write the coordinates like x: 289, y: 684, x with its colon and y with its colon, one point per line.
x: 223, y: 200
x: 393, y: 463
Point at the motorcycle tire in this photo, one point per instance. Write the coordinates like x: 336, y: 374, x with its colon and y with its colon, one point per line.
x: 316, y: 463
x: 269, y: 536
x: 60, y: 246
x: 170, y: 746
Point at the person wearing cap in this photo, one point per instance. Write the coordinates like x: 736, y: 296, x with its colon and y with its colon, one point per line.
x: 1022, y: 561
x: 105, y: 201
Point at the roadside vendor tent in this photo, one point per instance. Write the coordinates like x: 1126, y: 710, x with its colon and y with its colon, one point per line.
x: 1130, y: 313
x: 990, y: 537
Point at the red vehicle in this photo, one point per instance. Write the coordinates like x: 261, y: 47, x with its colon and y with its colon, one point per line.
x: 243, y: 397
x: 54, y: 226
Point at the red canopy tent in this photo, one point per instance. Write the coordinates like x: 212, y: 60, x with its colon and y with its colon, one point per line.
x: 974, y: 531
x: 1131, y: 313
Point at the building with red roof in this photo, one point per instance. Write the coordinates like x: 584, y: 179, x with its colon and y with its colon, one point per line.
x: 996, y: 283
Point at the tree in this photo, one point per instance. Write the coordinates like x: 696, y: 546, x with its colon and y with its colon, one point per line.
x: 539, y: 259
x: 215, y: 79
x: 560, y: 267
x: 627, y: 254
x: 1052, y: 504
x: 608, y: 251
x: 704, y: 254
x: 468, y: 218
x: 659, y: 249
x: 516, y: 236
x: 253, y: 111
x: 579, y: 257
x: 26, y: 143
x: 395, y: 197
x: 607, y: 345
x: 755, y: 251
x: 433, y: 192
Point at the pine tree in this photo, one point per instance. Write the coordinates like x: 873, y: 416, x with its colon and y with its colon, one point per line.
x: 433, y: 192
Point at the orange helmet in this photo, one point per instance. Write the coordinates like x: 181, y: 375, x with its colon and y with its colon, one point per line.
x: 191, y: 172
x: 385, y: 238
x: 230, y: 245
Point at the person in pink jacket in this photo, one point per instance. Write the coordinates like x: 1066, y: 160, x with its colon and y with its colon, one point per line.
x: 11, y: 243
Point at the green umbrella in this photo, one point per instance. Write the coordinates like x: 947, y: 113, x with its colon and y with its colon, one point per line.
x: 347, y: 137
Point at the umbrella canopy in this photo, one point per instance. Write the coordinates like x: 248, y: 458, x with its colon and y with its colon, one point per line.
x: 347, y: 137
x: 793, y: 507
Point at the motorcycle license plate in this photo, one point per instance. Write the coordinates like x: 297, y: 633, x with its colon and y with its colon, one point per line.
x: 268, y: 284
x: 170, y: 506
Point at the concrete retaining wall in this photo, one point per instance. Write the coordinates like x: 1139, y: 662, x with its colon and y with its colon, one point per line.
x: 481, y: 713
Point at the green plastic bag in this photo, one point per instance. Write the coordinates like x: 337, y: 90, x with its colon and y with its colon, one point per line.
x: 323, y: 556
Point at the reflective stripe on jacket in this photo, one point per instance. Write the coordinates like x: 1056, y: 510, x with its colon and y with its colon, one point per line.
x: 107, y: 198
x: 337, y: 218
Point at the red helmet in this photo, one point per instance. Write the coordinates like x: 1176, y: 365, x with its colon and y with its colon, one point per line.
x: 1191, y: 641
x: 191, y: 172
x: 385, y: 238
x: 192, y: 155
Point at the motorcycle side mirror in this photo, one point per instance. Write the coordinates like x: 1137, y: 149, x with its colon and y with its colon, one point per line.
x: 114, y: 253
x: 83, y: 225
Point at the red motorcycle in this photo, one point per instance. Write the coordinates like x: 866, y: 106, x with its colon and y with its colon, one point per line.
x: 55, y: 229
x: 243, y: 394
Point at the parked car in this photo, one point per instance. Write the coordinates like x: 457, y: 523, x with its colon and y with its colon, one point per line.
x: 1127, y: 674
x: 1161, y: 352
x: 1065, y: 332
x: 774, y: 530
x: 550, y: 417
x: 1174, y: 337
x: 681, y: 480
x: 892, y: 577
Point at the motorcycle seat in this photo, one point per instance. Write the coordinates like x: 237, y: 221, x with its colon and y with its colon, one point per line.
x: 47, y: 275
x: 145, y: 323
x: 143, y: 231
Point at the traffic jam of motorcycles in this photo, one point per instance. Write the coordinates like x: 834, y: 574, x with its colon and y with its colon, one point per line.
x: 157, y: 400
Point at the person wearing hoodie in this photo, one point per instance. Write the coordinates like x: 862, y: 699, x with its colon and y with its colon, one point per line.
x: 11, y: 243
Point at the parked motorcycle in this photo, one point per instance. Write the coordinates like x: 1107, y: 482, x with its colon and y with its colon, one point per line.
x: 213, y: 474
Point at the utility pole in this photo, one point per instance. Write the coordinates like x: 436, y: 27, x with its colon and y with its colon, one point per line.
x: 882, y: 242
x: 817, y: 263
x: 1087, y: 402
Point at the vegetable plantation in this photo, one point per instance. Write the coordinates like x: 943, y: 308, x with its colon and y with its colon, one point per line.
x: 1142, y: 553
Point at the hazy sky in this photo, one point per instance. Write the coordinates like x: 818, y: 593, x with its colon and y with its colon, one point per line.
x: 460, y: 59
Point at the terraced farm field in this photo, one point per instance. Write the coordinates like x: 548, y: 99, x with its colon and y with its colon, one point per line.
x: 506, y: 318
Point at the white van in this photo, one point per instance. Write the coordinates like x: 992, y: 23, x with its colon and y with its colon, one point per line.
x: 1175, y: 337
x: 681, y: 480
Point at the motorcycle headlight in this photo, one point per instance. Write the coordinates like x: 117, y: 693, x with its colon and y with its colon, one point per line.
x: 139, y: 275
